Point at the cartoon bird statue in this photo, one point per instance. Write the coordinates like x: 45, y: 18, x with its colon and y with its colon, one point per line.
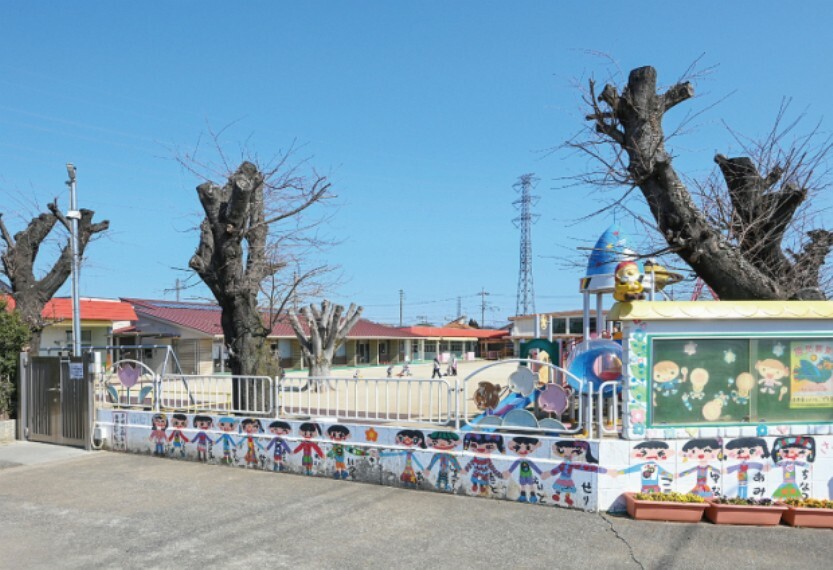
x: 817, y: 373
x: 628, y: 285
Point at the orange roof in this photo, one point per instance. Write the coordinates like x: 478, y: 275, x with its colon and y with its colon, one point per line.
x: 60, y: 308
x: 455, y: 332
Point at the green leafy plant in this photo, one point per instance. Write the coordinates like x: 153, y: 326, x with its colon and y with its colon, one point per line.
x: 670, y: 497
x: 14, y: 335
x: 810, y: 503
x: 743, y: 502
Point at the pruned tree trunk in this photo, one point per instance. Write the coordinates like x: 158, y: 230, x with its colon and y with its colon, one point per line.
x: 326, y: 331
x: 753, y: 265
x: 233, y: 260
x: 31, y: 294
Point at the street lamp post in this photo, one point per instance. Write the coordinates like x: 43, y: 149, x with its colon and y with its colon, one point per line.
x: 74, y: 215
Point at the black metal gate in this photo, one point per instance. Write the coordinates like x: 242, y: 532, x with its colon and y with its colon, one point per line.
x: 55, y: 400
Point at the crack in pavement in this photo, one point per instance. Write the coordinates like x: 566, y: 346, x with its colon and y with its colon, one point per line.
x: 622, y: 538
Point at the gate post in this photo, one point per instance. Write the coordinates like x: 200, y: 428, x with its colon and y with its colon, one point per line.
x: 23, y: 396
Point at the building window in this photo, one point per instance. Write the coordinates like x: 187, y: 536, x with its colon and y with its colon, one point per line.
x: 559, y: 326
x: 86, y: 337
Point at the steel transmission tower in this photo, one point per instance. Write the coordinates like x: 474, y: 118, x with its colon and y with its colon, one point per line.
x: 525, y: 303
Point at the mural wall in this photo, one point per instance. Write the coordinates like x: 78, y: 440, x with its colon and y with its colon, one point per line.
x: 537, y: 470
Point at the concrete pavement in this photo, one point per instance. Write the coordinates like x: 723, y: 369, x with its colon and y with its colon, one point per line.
x: 73, y: 509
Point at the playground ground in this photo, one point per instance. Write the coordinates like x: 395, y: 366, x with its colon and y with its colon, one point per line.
x: 67, y: 508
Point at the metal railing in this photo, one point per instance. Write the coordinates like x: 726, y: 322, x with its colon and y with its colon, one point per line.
x: 404, y: 400
x: 216, y: 393
x: 608, y: 391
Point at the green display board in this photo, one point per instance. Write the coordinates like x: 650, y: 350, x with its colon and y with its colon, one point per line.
x: 702, y: 381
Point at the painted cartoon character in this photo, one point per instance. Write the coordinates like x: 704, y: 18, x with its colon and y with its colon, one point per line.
x: 577, y: 457
x: 698, y: 379
x: 668, y: 376
x: 442, y: 442
x: 744, y: 383
x: 338, y: 452
x: 481, y: 466
x: 278, y: 444
x: 227, y: 426
x: 650, y: 453
x: 703, y: 451
x: 251, y: 427
x: 201, y: 439
x: 746, y: 450
x: 772, y: 373
x: 308, y: 447
x: 157, y: 434
x: 789, y: 453
x: 409, y: 438
x: 628, y: 286
x: 178, y: 439
x: 523, y: 446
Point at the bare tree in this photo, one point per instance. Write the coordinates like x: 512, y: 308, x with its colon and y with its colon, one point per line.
x: 327, y: 330
x: 236, y: 253
x: 736, y: 243
x: 19, y: 256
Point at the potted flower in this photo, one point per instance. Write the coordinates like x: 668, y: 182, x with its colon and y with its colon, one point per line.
x: 760, y: 512
x: 816, y: 513
x: 677, y: 507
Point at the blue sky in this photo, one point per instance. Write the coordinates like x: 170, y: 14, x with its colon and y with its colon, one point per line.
x: 423, y: 114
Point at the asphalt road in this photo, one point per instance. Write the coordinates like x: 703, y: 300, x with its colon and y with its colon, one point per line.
x: 65, y: 508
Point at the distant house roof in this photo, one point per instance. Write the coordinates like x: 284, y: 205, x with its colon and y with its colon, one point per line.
x: 205, y: 318
x: 60, y: 309
x: 451, y: 332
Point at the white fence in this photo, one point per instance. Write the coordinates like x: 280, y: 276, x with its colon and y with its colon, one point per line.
x: 447, y: 402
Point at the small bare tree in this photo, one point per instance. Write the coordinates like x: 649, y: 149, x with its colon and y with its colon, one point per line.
x: 733, y: 239
x: 326, y: 331
x: 19, y: 256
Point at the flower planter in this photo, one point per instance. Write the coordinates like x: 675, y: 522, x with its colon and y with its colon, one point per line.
x: 803, y: 516
x: 756, y: 515
x: 664, y: 511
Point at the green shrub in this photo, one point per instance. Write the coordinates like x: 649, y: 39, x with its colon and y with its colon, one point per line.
x: 14, y: 335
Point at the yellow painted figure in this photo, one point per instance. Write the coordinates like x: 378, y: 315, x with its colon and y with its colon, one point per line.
x: 628, y: 282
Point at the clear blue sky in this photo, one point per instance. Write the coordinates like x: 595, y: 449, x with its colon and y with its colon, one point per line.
x: 423, y: 113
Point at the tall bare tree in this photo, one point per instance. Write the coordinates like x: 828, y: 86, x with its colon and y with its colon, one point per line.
x: 738, y: 248
x: 327, y: 330
x: 19, y: 256
x: 236, y: 252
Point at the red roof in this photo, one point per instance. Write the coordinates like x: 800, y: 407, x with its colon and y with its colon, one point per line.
x: 60, y: 308
x: 452, y: 332
x: 205, y: 318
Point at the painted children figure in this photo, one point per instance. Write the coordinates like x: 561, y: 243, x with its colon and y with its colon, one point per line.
x: 227, y: 426
x: 650, y: 453
x: 703, y: 451
x: 789, y: 453
x: 339, y: 434
x: 278, y: 444
x: 178, y: 423
x: 307, y: 448
x: 744, y: 450
x: 523, y: 446
x: 481, y: 466
x: 442, y: 442
x: 251, y: 427
x: 201, y: 439
x: 577, y: 457
x: 157, y: 434
x: 408, y: 438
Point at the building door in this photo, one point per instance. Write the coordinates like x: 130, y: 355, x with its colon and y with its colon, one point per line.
x: 55, y: 400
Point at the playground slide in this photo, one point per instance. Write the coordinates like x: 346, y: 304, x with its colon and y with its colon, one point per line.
x: 596, y: 361
x: 513, y: 401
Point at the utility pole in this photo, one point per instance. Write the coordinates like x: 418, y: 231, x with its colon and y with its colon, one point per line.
x: 401, y: 303
x: 459, y: 307
x: 177, y: 287
x: 483, y: 294
x: 74, y: 215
